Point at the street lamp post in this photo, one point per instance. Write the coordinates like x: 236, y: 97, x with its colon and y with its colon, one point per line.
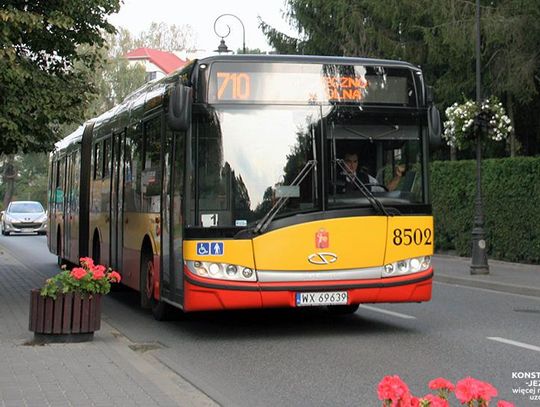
x: 479, y: 261
x: 222, y: 47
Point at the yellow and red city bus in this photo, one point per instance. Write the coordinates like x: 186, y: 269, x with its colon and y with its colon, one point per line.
x: 226, y: 185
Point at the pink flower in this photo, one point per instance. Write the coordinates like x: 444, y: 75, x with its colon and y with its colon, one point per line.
x: 98, y: 272
x: 503, y: 403
x: 441, y: 383
x: 394, y: 389
x: 114, y: 277
x: 415, y: 402
x: 470, y: 389
x: 77, y: 273
x: 86, y: 262
x: 435, y: 401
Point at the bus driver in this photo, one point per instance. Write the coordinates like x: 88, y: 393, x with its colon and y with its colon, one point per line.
x: 351, y: 165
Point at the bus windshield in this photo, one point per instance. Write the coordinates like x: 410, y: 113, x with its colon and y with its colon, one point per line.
x: 252, y: 158
x: 248, y: 157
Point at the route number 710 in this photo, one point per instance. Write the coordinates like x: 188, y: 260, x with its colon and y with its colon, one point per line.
x: 238, y: 85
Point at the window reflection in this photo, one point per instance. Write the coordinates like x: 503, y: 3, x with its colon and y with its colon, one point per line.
x: 247, y: 159
x: 253, y: 159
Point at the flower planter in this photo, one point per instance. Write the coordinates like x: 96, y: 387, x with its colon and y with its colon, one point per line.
x: 68, y: 318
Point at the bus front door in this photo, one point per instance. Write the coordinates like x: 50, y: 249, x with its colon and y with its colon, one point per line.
x: 171, y: 216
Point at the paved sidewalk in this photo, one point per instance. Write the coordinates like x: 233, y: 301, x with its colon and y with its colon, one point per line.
x: 503, y: 276
x: 103, y: 372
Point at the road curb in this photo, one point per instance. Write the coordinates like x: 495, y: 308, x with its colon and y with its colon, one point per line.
x: 489, y: 285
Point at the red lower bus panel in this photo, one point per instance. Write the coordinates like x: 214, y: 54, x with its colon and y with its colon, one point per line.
x: 201, y: 296
x: 198, y: 298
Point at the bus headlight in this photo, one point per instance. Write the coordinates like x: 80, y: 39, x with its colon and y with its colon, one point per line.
x: 221, y: 271
x: 407, y: 266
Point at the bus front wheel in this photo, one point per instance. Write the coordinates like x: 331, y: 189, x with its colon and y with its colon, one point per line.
x: 160, y: 310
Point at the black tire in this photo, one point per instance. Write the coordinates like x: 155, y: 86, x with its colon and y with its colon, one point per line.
x: 146, y: 259
x: 161, y: 311
x: 343, y: 309
x: 60, y: 261
x: 5, y: 233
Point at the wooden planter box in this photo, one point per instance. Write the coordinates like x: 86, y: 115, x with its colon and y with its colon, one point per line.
x: 68, y: 318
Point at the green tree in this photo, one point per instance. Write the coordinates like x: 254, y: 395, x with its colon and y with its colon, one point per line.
x: 40, y: 44
x: 439, y: 36
x: 167, y: 37
x: 115, y: 78
x: 24, y: 177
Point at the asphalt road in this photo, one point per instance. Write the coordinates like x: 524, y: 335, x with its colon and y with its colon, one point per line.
x: 310, y: 358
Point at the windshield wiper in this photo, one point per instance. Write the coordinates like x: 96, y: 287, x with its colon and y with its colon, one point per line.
x: 263, y: 224
x: 377, y: 205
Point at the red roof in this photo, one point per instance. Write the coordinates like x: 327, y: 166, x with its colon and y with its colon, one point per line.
x: 166, y: 61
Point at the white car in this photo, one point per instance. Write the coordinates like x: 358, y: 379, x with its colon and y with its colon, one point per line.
x: 24, y: 217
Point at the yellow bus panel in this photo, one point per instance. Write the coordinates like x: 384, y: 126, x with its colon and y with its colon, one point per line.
x: 409, y: 236
x: 344, y: 243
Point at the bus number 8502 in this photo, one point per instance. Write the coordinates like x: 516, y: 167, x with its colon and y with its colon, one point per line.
x: 410, y: 236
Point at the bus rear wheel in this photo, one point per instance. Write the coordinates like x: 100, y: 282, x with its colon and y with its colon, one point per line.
x: 160, y: 310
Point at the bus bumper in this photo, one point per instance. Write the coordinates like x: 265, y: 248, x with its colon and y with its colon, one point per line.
x: 201, y: 294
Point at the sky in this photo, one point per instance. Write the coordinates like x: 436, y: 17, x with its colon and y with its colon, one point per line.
x: 136, y: 16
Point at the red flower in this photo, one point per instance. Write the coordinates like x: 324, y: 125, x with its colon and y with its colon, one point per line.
x: 394, y: 389
x: 77, y: 273
x: 503, y: 403
x: 98, y: 272
x: 86, y: 262
x: 435, y: 401
x: 114, y: 277
x: 470, y: 389
x: 441, y: 383
x: 415, y: 402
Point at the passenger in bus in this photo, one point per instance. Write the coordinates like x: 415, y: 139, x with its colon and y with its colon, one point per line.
x: 399, y: 173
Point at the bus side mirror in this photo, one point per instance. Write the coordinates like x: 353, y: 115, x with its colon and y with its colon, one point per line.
x: 179, y: 109
x: 434, y: 127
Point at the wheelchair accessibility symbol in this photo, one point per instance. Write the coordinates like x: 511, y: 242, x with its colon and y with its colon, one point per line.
x: 210, y: 248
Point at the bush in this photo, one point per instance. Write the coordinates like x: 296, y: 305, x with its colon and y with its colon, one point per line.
x: 511, y: 192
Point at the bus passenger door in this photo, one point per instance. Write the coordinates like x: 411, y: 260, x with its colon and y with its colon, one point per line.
x: 73, y: 218
x: 67, y: 218
x: 116, y: 229
x: 172, y: 220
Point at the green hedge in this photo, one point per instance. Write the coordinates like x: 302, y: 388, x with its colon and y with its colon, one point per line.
x: 511, y: 191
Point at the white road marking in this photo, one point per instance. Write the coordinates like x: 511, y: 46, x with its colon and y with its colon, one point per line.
x: 488, y: 290
x: 515, y: 343
x: 383, y: 311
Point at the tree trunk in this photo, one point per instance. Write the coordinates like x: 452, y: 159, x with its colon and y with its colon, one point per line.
x: 8, y: 178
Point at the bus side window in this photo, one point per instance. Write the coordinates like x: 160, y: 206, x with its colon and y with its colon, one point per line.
x: 106, y: 158
x: 151, y: 174
x: 97, y: 161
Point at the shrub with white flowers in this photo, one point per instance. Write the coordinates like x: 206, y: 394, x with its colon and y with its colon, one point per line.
x: 460, y: 126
